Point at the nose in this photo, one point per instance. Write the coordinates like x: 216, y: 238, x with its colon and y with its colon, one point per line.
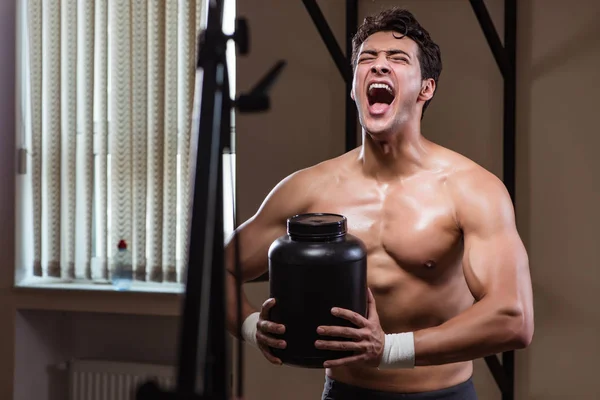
x: 380, y: 69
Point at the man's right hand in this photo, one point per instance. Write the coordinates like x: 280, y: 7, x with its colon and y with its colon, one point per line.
x: 264, y: 330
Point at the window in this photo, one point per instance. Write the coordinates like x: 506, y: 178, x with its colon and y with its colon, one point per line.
x: 105, y: 102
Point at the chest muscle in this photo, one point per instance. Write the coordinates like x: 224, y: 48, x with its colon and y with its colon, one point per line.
x: 413, y: 228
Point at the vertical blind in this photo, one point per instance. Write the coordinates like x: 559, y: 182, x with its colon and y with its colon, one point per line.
x: 107, y: 106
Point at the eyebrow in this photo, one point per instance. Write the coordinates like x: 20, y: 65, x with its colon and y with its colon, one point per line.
x: 388, y: 52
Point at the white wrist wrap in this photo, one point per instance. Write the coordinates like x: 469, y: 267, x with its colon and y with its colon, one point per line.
x: 249, y: 328
x: 398, y: 351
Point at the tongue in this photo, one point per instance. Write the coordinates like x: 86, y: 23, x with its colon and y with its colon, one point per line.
x: 379, y: 108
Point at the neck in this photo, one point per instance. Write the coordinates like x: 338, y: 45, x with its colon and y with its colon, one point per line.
x: 393, y: 156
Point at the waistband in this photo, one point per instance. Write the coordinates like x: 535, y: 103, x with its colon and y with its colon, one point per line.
x: 335, y: 390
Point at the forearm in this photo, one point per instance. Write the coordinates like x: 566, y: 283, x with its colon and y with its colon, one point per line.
x: 250, y: 266
x: 482, y: 330
x: 233, y: 324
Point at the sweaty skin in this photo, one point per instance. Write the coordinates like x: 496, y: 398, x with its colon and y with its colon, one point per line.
x: 444, y: 256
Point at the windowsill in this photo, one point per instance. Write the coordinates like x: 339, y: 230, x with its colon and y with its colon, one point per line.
x: 104, y: 285
x: 141, y: 299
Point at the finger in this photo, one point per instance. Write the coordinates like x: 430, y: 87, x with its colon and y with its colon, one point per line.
x: 343, y: 361
x: 339, y: 331
x: 270, y: 327
x: 339, y: 346
x: 351, y: 316
x: 267, y: 305
x: 264, y: 324
x: 270, y: 357
x: 372, y: 307
x: 269, y: 341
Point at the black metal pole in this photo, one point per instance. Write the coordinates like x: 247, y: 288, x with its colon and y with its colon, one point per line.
x: 342, y: 63
x: 216, y: 361
x: 510, y: 95
x: 328, y: 38
x: 498, y: 373
x: 351, y: 113
x: 487, y: 26
x: 202, y: 346
x: 505, y: 57
x: 509, y: 146
x: 202, y: 371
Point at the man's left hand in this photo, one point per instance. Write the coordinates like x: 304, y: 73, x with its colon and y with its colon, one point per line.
x: 368, y: 339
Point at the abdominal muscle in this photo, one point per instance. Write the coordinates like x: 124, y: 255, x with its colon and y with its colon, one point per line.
x: 420, y: 379
x: 406, y: 303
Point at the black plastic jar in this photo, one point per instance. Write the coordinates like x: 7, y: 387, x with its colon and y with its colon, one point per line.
x: 315, y: 267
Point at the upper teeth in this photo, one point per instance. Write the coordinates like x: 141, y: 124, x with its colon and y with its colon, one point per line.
x: 380, y: 86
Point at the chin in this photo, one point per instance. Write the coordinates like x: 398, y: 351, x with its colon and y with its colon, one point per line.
x: 379, y: 129
x: 378, y: 133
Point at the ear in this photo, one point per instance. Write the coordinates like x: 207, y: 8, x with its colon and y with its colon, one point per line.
x: 352, y: 95
x: 427, y: 90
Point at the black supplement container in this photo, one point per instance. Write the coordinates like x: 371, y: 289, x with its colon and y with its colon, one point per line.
x: 316, y: 266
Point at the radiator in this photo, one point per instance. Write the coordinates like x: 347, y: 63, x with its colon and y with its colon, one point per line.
x: 112, y: 380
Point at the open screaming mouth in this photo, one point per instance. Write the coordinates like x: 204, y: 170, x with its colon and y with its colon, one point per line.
x: 380, y: 93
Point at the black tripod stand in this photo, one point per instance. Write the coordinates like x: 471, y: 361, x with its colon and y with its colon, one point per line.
x: 204, y: 355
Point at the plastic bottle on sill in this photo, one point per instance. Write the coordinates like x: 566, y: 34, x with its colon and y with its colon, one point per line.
x: 122, y: 275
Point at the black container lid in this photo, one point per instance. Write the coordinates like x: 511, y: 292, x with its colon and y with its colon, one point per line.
x: 317, y: 225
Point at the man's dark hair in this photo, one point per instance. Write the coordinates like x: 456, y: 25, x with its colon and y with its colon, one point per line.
x: 404, y: 23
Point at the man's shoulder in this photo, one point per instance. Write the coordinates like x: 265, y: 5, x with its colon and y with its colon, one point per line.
x: 323, y: 170
x: 473, y: 176
x: 476, y: 191
x: 311, y: 179
x: 464, y: 173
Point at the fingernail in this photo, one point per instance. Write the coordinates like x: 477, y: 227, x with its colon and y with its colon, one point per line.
x: 320, y: 330
x: 334, y: 310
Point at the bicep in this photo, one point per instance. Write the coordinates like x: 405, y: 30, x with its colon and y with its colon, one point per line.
x: 496, y: 264
x: 256, y: 235
x: 495, y: 261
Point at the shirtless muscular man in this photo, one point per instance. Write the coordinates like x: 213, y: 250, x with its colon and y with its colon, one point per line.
x: 447, y: 272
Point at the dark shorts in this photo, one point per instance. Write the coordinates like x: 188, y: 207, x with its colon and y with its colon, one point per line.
x: 341, y: 391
